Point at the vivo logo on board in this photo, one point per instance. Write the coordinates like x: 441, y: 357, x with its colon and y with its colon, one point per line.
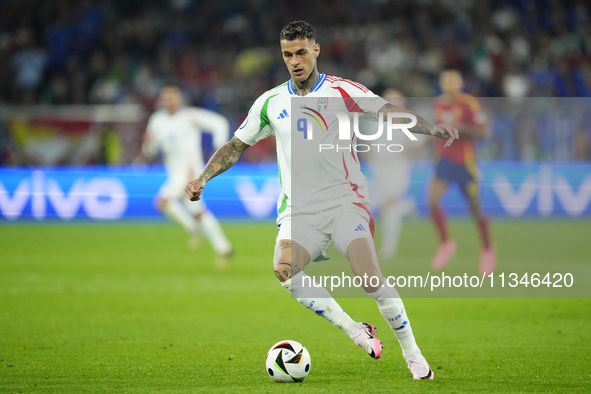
x: 100, y: 198
x: 551, y: 189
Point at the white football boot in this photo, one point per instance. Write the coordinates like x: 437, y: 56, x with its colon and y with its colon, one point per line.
x: 365, y: 337
x: 419, y: 368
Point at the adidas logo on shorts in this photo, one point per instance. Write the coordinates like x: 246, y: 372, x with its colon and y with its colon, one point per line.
x: 360, y: 228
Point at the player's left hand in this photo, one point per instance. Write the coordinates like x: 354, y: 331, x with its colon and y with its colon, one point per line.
x: 194, y: 189
x: 446, y: 132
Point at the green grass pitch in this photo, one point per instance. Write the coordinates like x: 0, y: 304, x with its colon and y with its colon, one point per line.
x: 127, y: 308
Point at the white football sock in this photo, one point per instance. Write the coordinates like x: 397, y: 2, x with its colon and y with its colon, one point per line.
x: 177, y: 212
x: 320, y: 303
x: 214, y: 233
x: 392, y: 309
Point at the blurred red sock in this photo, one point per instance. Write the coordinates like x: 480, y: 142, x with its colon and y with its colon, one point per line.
x: 438, y: 217
x: 483, y: 227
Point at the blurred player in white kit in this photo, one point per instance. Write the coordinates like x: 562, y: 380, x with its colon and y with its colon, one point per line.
x: 176, y: 130
x: 391, y: 172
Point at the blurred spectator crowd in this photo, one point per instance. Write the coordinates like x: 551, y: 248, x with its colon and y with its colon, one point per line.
x: 225, y: 53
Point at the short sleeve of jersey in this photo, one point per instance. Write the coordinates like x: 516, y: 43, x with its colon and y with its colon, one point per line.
x: 150, y: 145
x: 365, y: 100
x: 256, y: 126
x: 472, y: 111
x: 151, y: 127
x: 478, y: 117
x: 371, y: 104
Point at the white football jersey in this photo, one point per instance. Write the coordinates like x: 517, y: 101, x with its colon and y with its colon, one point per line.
x: 312, y: 181
x: 178, y: 136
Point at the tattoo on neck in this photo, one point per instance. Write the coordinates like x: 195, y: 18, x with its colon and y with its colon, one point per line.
x: 304, y: 87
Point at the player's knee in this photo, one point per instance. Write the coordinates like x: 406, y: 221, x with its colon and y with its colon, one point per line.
x: 389, y: 202
x: 433, y: 201
x: 477, y: 212
x: 161, y: 203
x: 282, y: 260
x: 475, y: 208
x: 282, y: 269
x: 433, y: 204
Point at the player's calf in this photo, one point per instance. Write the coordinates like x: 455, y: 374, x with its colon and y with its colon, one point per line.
x: 318, y: 300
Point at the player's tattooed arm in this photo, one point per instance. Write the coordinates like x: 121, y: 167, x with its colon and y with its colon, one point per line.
x: 442, y: 131
x: 283, y: 265
x: 222, y: 160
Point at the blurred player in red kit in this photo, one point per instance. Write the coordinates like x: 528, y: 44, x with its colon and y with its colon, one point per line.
x: 457, y: 164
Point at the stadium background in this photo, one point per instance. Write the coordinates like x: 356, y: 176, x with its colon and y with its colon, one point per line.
x: 78, y: 80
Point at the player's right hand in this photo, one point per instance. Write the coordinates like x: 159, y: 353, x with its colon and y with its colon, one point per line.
x: 446, y: 132
x: 194, y: 189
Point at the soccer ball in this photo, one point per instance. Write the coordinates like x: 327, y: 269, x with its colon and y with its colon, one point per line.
x: 288, y: 362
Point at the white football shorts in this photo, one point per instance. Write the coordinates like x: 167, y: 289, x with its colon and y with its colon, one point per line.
x: 339, y: 225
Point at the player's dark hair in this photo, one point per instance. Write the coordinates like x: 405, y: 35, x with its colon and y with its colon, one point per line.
x: 298, y: 30
x: 451, y: 70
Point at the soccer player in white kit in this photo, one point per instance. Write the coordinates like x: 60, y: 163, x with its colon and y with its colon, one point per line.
x: 176, y: 130
x: 303, y: 234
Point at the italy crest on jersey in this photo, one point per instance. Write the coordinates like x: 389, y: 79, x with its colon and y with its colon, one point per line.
x: 322, y: 103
